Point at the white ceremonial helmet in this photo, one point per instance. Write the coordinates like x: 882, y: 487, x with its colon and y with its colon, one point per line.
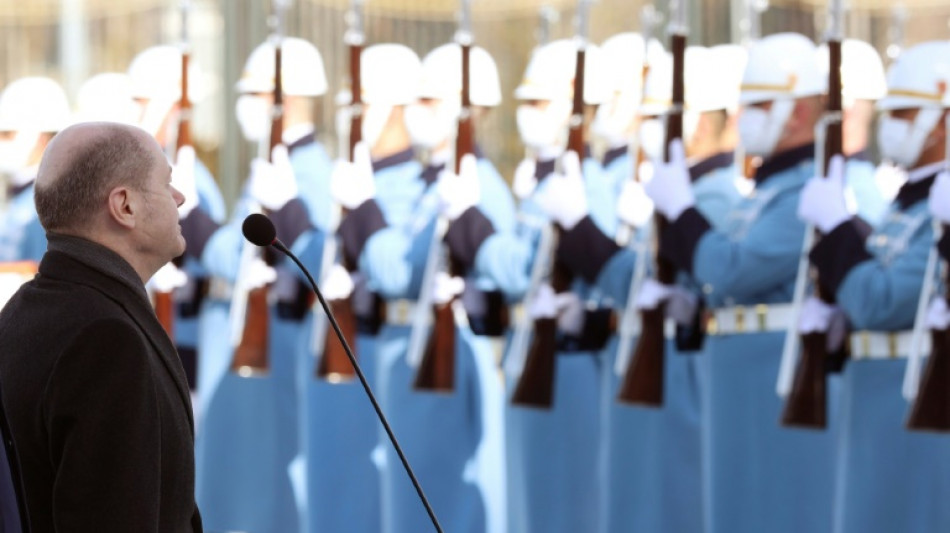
x: 302, y: 72
x: 441, y: 75
x: 106, y: 96
x: 34, y: 104
x: 550, y: 74
x: 623, y: 57
x: 156, y: 75
x: 730, y: 61
x: 441, y: 79
x: 389, y: 77
x: 781, y: 68
x: 862, y: 71
x: 918, y: 79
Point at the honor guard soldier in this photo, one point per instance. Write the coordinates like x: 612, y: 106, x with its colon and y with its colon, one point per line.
x: 250, y: 437
x: 889, y: 479
x: 758, y: 477
x: 32, y: 110
x: 107, y: 96
x: 553, y: 448
x: 156, y: 81
x: 862, y: 83
x: 654, y: 455
x: 385, y: 237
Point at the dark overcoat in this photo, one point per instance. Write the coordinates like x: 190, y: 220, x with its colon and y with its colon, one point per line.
x: 96, y: 399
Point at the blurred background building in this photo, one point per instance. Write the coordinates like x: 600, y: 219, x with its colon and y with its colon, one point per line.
x: 71, y: 40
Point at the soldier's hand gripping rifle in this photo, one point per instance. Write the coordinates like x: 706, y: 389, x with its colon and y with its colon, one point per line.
x: 334, y: 365
x: 163, y: 300
x: 931, y: 407
x: 806, y: 405
x: 437, y: 368
x: 251, y: 355
x: 643, y: 382
x: 535, y: 387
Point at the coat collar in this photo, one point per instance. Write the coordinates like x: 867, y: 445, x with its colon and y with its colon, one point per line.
x: 715, y: 162
x: 784, y: 161
x: 87, y: 263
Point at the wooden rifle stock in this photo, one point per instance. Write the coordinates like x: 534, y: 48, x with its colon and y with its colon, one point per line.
x: 535, y: 388
x: 437, y: 369
x: 642, y: 384
x: 334, y: 365
x: 807, y: 403
x: 251, y: 357
x: 931, y: 409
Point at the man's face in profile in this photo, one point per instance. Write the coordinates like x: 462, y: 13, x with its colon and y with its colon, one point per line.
x: 160, y: 230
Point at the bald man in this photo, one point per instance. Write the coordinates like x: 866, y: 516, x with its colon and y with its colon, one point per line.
x: 96, y: 397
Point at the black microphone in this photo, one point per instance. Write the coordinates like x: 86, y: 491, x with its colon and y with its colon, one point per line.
x: 259, y: 230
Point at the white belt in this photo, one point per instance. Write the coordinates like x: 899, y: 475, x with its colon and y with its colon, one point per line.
x: 886, y: 345
x: 400, y: 312
x: 752, y: 319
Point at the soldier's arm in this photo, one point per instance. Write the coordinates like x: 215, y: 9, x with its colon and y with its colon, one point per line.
x: 765, y: 259
x: 873, y: 294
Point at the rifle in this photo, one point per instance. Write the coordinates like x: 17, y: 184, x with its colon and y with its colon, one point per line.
x: 164, y: 303
x: 535, y: 387
x: 334, y: 365
x: 806, y: 405
x: 251, y: 355
x: 643, y: 382
x: 931, y: 408
x: 437, y: 368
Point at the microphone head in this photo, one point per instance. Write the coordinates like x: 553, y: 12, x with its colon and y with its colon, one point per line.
x: 259, y: 230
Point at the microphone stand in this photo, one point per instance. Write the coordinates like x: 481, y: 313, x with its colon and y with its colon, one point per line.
x: 369, y: 392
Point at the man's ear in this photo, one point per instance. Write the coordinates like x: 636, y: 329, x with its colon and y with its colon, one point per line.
x: 122, y: 206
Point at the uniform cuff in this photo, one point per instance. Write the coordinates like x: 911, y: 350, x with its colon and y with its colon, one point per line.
x: 291, y: 221
x: 584, y: 249
x: 837, y: 253
x: 466, y: 235
x: 681, y: 237
x: 197, y: 229
x: 357, y: 227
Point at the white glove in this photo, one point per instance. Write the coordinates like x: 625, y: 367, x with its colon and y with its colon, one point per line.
x: 183, y: 179
x: 272, y: 184
x: 351, y: 183
x: 446, y: 288
x: 257, y: 274
x: 524, y: 182
x: 570, y: 313
x: 938, y: 315
x: 167, y: 279
x: 459, y: 192
x: 652, y: 294
x: 815, y: 316
x: 670, y: 187
x: 681, y: 305
x: 634, y: 207
x: 940, y: 198
x: 544, y: 303
x: 564, y: 198
x: 337, y: 284
x: 822, y: 203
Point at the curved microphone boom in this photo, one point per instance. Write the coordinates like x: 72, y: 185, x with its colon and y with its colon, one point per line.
x: 259, y: 230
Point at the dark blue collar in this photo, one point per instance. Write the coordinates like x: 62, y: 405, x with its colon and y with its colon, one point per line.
x: 431, y: 173
x: 784, y: 161
x: 398, y: 158
x: 911, y: 193
x: 720, y: 160
x: 863, y: 155
x: 309, y: 138
x: 614, y: 154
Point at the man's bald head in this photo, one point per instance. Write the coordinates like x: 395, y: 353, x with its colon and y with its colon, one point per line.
x: 82, y: 164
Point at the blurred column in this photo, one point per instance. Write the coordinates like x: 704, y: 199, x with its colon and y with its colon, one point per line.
x: 73, y: 45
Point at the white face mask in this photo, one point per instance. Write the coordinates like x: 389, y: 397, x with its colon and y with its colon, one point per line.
x: 761, y: 130
x: 15, y: 153
x: 253, y: 114
x: 613, y: 119
x: 544, y: 129
x: 902, y: 141
x: 652, y: 134
x: 430, y: 125
x: 375, y: 117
